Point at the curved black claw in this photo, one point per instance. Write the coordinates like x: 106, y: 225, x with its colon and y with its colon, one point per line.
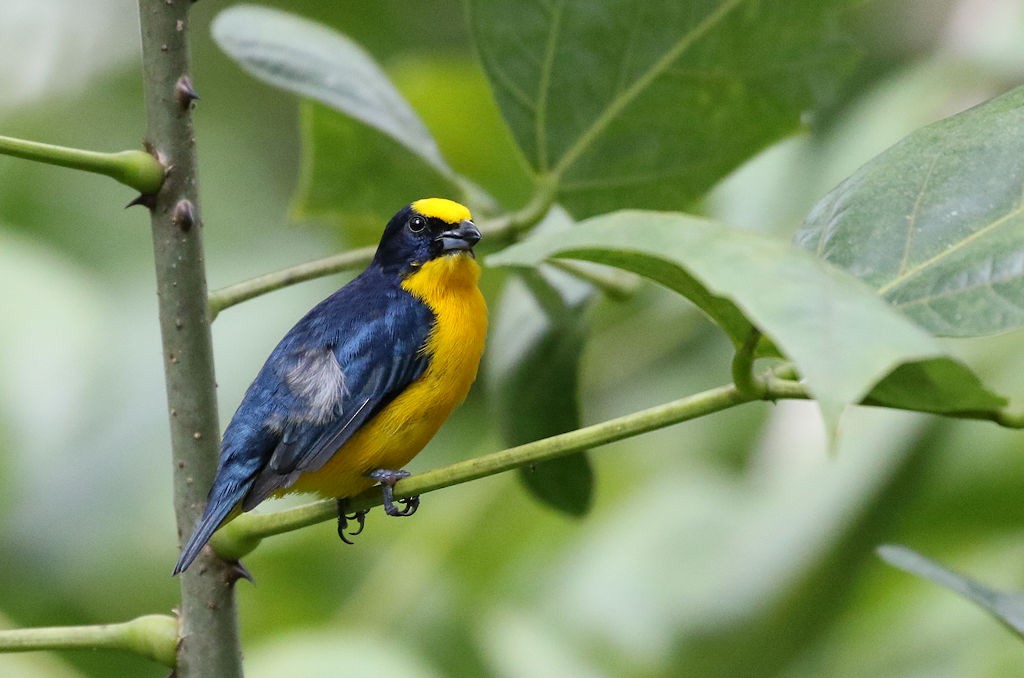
x: 387, y: 479
x: 410, y: 504
x: 343, y: 519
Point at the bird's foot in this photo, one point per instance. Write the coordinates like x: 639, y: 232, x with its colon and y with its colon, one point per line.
x: 343, y: 520
x: 387, y: 479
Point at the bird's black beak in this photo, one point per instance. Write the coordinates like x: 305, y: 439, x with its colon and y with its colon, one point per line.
x: 461, y: 238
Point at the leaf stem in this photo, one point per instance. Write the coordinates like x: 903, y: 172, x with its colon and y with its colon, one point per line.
x: 1010, y: 419
x: 506, y: 228
x: 152, y: 636
x: 134, y: 168
x: 743, y: 366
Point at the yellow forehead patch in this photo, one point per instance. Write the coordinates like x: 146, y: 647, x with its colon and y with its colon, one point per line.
x: 447, y: 211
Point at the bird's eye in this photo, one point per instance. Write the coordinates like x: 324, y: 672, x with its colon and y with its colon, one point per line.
x: 417, y: 224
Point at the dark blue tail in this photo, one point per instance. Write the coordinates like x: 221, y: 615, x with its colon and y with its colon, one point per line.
x: 224, y: 496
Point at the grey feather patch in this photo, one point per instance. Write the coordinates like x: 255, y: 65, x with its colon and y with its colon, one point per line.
x: 317, y: 378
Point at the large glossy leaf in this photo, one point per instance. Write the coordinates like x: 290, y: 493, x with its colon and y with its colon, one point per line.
x: 312, y: 60
x: 936, y: 223
x: 842, y: 337
x: 1006, y: 606
x: 647, y: 103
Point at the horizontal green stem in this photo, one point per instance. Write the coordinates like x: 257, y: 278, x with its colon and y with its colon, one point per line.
x: 497, y: 230
x: 226, y: 297
x: 244, y: 533
x: 153, y: 636
x: 776, y: 388
x: 135, y: 168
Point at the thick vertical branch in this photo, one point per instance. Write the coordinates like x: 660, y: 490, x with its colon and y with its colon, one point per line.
x: 209, y: 634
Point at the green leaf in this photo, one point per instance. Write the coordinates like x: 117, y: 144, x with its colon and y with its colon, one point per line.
x: 648, y: 103
x: 843, y: 339
x: 312, y: 60
x: 565, y: 484
x: 1006, y: 607
x: 936, y: 223
x: 940, y: 385
x: 534, y: 362
x: 467, y: 123
x: 349, y: 172
x: 338, y: 151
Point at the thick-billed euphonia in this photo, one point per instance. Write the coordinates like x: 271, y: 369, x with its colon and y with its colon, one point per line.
x: 365, y: 379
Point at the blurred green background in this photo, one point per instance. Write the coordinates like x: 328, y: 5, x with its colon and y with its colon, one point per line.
x: 730, y: 546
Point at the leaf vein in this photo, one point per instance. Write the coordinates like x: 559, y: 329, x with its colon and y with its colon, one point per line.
x: 635, y: 33
x: 544, y: 84
x: 502, y: 78
x: 915, y: 213
x: 949, y: 251
x: 989, y: 283
x: 577, y: 185
x: 618, y: 103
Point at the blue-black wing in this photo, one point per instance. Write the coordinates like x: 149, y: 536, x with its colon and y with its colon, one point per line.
x: 343, y: 362
x: 334, y: 388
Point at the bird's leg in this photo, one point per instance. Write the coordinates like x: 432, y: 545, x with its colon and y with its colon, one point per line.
x: 387, y: 479
x: 344, y: 516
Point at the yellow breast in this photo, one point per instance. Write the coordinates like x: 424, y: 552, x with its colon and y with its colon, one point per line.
x: 448, y: 285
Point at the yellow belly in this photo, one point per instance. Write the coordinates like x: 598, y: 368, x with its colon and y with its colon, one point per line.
x: 396, y: 434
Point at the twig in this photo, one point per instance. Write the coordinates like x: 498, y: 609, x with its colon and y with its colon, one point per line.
x: 154, y: 636
x: 254, y: 287
x: 137, y: 169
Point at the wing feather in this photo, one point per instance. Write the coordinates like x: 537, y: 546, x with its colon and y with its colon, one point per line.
x: 328, y: 389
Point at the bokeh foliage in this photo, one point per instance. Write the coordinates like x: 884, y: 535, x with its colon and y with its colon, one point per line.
x: 729, y: 546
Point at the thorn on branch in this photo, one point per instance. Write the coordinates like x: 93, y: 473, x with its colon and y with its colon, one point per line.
x: 185, y: 92
x: 238, y: 571
x: 147, y: 200
x: 185, y: 215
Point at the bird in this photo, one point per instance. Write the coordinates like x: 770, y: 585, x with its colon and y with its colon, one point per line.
x: 364, y: 380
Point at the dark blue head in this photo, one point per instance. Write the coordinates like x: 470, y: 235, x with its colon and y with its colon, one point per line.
x: 426, y: 229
